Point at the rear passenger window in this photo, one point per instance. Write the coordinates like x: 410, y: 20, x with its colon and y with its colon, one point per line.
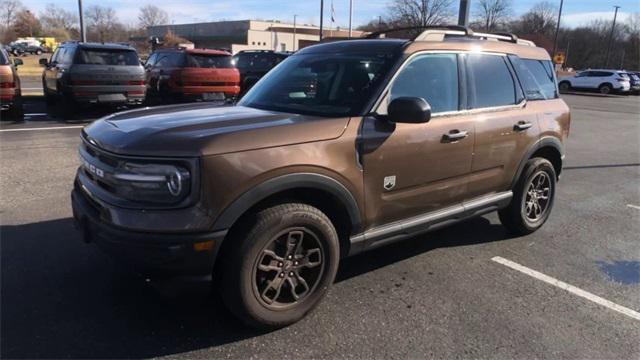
x: 490, y: 80
x: 433, y: 77
x: 536, y: 77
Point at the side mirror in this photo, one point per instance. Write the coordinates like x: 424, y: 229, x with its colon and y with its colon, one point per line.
x: 18, y: 62
x: 413, y: 110
x: 44, y: 62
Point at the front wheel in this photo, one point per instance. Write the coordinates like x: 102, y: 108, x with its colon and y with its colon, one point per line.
x: 532, y: 200
x: 281, y: 267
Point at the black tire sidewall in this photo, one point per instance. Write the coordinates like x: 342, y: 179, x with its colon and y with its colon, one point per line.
x: 246, y: 304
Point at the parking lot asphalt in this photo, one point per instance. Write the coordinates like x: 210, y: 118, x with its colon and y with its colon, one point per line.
x: 440, y: 295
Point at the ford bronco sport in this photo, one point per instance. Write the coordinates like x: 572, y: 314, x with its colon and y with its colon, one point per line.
x: 81, y: 73
x: 175, y: 75
x: 342, y: 148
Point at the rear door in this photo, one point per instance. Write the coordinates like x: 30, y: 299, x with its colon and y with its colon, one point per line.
x: 412, y: 169
x: 50, y: 70
x: 505, y: 124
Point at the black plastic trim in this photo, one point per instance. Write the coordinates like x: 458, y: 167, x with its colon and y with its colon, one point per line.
x: 290, y: 182
x: 547, y: 141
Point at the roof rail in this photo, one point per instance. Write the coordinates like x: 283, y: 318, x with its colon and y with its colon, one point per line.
x: 465, y: 30
x: 440, y: 35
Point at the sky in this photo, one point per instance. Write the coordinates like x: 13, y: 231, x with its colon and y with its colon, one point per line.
x: 575, y: 12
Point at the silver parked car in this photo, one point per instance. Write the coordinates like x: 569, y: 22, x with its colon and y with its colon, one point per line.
x: 89, y: 73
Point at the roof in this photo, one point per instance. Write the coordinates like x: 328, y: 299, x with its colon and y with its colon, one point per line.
x: 200, y: 51
x: 98, y: 45
x: 356, y: 46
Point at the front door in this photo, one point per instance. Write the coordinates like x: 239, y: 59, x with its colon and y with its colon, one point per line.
x: 411, y: 169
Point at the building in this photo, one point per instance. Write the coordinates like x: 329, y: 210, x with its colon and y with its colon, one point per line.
x: 249, y: 34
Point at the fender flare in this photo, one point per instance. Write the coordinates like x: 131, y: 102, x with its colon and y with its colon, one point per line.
x: 289, y: 182
x: 547, y: 141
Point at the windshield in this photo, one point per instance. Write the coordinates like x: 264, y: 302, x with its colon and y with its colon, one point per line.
x: 321, y: 84
x: 106, y: 57
x: 209, y: 61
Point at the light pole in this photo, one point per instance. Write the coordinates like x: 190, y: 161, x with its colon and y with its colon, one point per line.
x: 613, y: 27
x: 83, y: 33
x: 350, y: 17
x: 294, y: 32
x: 321, y: 13
x: 463, y: 13
x: 555, y: 39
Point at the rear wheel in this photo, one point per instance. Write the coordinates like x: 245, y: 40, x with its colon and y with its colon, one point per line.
x: 532, y: 199
x: 564, y: 86
x: 605, y: 89
x: 281, y: 266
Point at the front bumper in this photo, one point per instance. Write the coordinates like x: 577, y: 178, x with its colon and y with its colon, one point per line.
x: 156, y: 254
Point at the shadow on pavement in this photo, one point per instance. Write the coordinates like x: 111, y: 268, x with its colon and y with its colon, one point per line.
x: 62, y: 298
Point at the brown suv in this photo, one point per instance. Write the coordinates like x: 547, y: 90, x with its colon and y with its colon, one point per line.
x: 342, y: 148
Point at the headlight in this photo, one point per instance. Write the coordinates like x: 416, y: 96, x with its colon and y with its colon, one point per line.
x: 152, y: 183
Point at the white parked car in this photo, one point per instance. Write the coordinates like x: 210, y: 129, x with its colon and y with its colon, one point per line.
x: 605, y: 81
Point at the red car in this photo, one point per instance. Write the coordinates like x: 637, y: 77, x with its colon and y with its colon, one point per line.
x: 10, y: 95
x: 177, y: 75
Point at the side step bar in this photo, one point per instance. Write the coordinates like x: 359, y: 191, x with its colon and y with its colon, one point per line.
x: 400, y: 230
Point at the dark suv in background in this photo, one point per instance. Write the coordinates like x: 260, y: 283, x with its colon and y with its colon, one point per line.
x: 342, y: 148
x: 254, y: 64
x: 90, y: 73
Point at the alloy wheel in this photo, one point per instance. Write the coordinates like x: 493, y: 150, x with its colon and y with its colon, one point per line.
x: 537, y: 197
x: 288, y: 268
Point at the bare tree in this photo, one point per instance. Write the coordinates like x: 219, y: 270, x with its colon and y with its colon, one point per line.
x: 8, y: 10
x: 101, y: 22
x: 151, y: 15
x: 541, y: 20
x: 26, y: 24
x: 420, y: 12
x: 492, y: 14
x: 56, y: 17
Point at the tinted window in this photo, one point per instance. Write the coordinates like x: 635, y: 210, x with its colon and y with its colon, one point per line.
x: 257, y: 61
x: 90, y: 56
x: 54, y: 57
x: 4, y: 59
x: 490, y: 81
x: 317, y: 84
x: 151, y: 60
x: 432, y: 77
x: 209, y: 61
x: 536, y: 76
x: 170, y: 59
x: 66, y: 57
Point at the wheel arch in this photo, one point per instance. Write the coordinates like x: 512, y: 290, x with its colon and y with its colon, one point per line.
x: 320, y: 191
x: 549, y: 148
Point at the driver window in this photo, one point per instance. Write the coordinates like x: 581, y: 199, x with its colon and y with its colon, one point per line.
x: 433, y: 77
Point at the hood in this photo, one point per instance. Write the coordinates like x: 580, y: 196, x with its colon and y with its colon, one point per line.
x: 202, y: 129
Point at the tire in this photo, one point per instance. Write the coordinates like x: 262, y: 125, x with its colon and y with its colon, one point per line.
x: 521, y: 216
x: 65, y: 107
x: 15, y: 113
x: 262, y: 282
x: 605, y: 89
x: 564, y: 86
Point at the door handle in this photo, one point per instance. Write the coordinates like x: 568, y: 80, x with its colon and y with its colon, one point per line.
x: 455, y: 135
x: 522, y: 125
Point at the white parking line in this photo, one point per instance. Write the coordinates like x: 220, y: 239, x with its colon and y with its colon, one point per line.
x: 634, y: 206
x: 44, y: 128
x: 570, y: 288
x: 35, y: 88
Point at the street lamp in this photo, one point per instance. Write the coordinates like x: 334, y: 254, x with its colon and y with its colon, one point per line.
x: 555, y: 39
x: 613, y: 27
x: 321, y: 13
x: 83, y: 33
x: 294, y: 32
